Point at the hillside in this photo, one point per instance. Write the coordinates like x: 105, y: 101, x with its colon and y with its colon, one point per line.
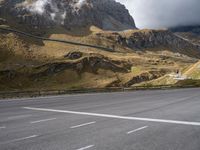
x: 193, y: 71
x: 27, y: 63
x: 37, y: 60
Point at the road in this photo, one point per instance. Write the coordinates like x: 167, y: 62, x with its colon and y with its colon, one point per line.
x: 54, y: 40
x: 138, y: 120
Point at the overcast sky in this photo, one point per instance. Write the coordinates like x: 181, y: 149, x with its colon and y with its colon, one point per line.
x: 163, y: 13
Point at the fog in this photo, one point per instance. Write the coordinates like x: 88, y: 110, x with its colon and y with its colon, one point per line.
x: 163, y: 13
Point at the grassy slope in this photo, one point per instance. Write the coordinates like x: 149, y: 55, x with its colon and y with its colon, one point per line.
x: 23, y: 55
x: 193, y: 71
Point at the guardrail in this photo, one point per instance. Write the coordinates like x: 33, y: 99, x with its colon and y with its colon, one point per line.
x: 55, y: 40
x: 16, y: 94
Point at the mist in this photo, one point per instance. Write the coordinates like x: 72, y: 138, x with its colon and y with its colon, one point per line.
x: 163, y: 13
x: 39, y: 6
x: 57, y: 15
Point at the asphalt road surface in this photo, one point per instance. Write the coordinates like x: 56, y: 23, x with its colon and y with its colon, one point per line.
x: 139, y: 120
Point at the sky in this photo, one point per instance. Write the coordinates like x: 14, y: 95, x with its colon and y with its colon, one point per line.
x: 163, y: 13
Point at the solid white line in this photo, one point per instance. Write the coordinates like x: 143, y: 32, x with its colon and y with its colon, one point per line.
x: 87, y: 147
x: 18, y: 117
x: 138, y: 129
x: 117, y: 117
x: 44, y: 120
x: 81, y: 125
x: 21, y: 139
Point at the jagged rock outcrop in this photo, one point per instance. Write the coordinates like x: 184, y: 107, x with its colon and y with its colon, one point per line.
x: 151, y: 39
x: 147, y: 76
x: 105, y: 14
x: 87, y: 64
x: 9, y: 74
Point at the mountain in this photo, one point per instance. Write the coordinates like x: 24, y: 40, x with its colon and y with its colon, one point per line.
x: 193, y: 29
x: 105, y: 14
x: 190, y: 33
x: 151, y: 39
x: 107, y: 50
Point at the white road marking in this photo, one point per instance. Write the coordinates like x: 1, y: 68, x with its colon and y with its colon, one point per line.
x: 117, y: 117
x: 81, y: 125
x: 3, y: 127
x: 18, y: 117
x: 44, y: 120
x: 138, y: 129
x: 87, y: 147
x: 21, y: 139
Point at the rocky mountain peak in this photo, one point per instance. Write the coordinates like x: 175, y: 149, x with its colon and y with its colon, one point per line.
x: 105, y: 14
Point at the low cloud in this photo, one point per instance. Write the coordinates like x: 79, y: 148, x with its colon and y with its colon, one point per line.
x: 163, y: 13
x: 39, y: 6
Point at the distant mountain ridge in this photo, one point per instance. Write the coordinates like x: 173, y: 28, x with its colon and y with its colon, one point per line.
x: 190, y: 33
x: 192, y: 28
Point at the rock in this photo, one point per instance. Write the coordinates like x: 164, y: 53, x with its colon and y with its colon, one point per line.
x: 150, y: 39
x: 147, y: 76
x: 8, y: 74
x: 2, y: 21
x: 74, y: 55
x: 87, y: 64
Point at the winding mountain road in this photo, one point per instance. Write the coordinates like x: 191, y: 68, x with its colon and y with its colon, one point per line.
x: 54, y: 40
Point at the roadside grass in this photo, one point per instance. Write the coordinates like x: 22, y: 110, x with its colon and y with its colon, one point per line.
x: 189, y: 82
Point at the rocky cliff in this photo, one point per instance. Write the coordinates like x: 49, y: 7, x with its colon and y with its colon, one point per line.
x: 189, y: 33
x: 105, y: 14
x: 152, y: 40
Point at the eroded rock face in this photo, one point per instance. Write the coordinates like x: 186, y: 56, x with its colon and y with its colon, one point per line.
x: 86, y: 64
x: 2, y: 21
x: 105, y: 14
x: 151, y: 39
x: 74, y: 55
x: 147, y: 76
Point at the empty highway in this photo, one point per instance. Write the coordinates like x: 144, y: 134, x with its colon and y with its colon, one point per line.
x: 138, y: 120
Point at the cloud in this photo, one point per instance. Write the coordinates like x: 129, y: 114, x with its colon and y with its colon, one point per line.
x: 163, y: 13
x: 80, y: 3
x: 39, y: 6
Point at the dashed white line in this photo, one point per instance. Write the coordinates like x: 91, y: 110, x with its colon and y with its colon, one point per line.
x: 21, y: 139
x: 18, y: 117
x: 138, y: 129
x: 44, y: 120
x: 3, y: 127
x: 118, y: 117
x: 87, y: 147
x: 81, y: 125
